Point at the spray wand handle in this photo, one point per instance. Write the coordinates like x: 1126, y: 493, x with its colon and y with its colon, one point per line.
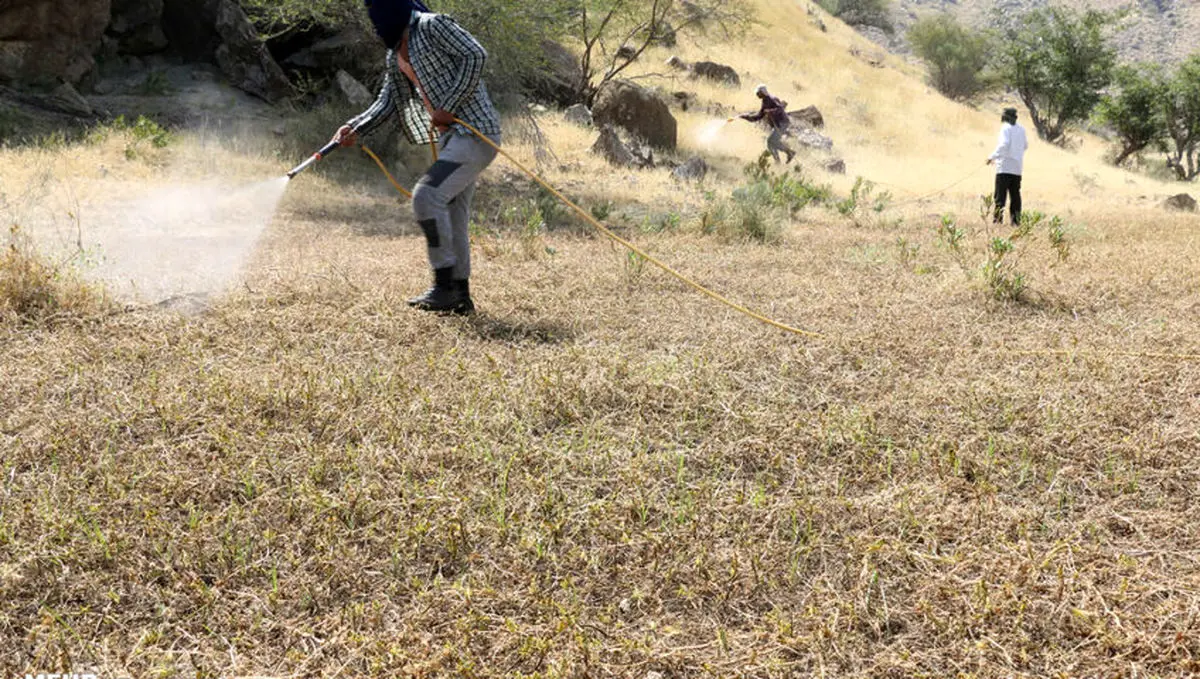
x: 325, y: 150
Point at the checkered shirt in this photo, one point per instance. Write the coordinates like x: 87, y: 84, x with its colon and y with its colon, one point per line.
x: 449, y: 63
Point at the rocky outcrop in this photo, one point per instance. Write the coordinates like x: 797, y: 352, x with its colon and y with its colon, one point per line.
x: 136, y: 26
x: 354, y: 50
x: 219, y: 31
x: 41, y: 40
x: 638, y: 110
x: 244, y: 58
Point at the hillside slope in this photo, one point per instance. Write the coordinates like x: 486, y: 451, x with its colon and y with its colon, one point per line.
x: 886, y: 122
x: 1152, y: 31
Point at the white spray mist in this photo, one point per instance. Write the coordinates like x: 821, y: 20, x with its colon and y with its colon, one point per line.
x: 178, y: 240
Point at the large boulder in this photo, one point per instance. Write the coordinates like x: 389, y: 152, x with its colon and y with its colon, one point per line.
x: 638, y: 110
x: 355, y: 50
x: 219, y: 31
x: 1180, y: 202
x: 42, y: 40
x: 557, y: 83
x: 716, y: 72
x: 244, y: 58
x: 809, y: 116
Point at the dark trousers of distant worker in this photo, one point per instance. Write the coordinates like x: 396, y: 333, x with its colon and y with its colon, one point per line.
x: 1008, y: 186
x: 775, y: 143
x: 442, y: 201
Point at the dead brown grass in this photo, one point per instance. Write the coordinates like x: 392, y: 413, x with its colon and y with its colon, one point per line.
x: 602, y: 474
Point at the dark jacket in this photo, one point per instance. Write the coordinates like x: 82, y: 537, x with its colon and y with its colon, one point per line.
x: 774, y: 110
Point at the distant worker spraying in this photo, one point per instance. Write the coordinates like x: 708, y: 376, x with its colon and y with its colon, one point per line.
x: 774, y: 110
x: 433, y: 75
x: 1009, y: 158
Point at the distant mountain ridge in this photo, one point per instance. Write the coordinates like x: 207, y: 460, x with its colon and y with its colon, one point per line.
x: 1162, y: 31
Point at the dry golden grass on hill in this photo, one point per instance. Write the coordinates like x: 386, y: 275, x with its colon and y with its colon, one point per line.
x: 602, y: 473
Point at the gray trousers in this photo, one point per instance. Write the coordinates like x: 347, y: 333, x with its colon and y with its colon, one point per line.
x: 442, y: 201
x: 775, y: 143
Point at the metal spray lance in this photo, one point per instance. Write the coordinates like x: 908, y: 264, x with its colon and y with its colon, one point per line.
x: 325, y: 150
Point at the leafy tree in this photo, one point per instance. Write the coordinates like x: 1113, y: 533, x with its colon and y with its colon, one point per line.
x: 1182, y: 116
x: 1059, y: 63
x: 955, y: 55
x: 1136, y: 111
x: 512, y: 32
x: 860, y: 12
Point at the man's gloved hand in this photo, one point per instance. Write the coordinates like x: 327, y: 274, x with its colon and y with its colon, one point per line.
x: 346, y: 136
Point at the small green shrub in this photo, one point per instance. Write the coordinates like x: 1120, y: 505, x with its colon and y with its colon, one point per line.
x: 860, y: 12
x: 1001, y: 254
x: 863, y: 206
x: 155, y: 84
x: 759, y: 210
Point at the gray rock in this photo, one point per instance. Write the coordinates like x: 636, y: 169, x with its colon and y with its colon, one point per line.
x: 716, y: 72
x: 579, y: 115
x: 835, y: 166
x: 666, y: 36
x: 1180, y: 202
x: 678, y: 64
x: 354, y: 50
x: 44, y: 40
x: 684, y: 100
x: 355, y: 92
x: 64, y: 98
x: 808, y: 117
x: 812, y: 139
x: 626, y: 53
x: 244, y: 58
x: 638, y: 110
x: 611, y: 148
x: 695, y: 169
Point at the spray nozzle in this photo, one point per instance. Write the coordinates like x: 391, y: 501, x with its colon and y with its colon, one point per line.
x: 325, y: 150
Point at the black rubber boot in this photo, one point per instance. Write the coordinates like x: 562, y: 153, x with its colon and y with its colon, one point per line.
x: 465, y: 305
x: 446, y: 295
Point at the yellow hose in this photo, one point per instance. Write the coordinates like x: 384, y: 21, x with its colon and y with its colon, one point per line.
x: 710, y: 293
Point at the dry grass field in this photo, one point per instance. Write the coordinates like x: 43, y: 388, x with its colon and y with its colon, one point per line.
x: 603, y: 473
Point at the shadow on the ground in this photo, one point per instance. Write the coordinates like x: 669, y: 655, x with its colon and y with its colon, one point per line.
x: 495, y: 329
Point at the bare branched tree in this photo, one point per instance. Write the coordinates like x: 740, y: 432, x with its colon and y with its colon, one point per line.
x: 615, y: 33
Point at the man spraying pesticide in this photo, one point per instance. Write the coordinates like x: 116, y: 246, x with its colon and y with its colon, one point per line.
x: 433, y: 78
x: 774, y: 110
